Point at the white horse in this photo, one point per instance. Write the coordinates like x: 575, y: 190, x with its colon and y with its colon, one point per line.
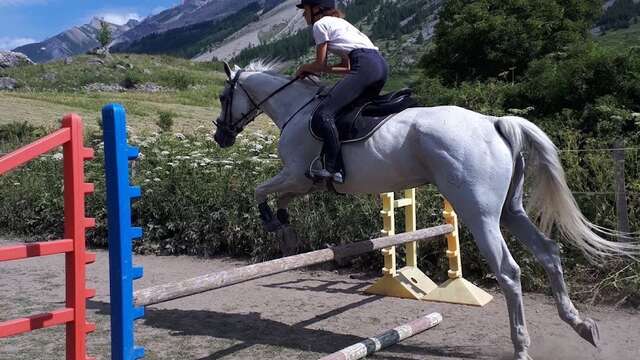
x: 475, y: 161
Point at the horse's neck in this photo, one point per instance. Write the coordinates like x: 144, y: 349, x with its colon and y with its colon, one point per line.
x: 284, y: 104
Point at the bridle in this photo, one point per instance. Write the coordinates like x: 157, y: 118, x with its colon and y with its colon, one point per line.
x: 226, y: 98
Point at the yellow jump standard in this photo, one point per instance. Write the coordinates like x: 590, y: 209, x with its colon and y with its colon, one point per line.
x: 410, y: 282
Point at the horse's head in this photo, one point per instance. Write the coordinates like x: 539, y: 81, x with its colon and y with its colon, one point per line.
x: 237, y: 109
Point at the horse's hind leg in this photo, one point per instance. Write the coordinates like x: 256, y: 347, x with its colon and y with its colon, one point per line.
x: 481, y: 214
x: 547, y: 253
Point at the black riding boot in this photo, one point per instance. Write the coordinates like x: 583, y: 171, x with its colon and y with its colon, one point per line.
x: 329, y: 134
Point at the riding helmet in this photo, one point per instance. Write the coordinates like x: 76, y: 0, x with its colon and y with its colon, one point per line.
x: 326, y: 4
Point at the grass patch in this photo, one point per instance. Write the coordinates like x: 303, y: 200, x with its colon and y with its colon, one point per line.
x: 620, y: 41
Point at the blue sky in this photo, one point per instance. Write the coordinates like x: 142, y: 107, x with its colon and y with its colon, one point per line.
x: 25, y: 21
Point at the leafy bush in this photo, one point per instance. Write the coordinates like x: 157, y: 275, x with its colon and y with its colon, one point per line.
x: 165, y: 120
x: 131, y: 79
x: 177, y: 79
x: 19, y: 133
x: 477, y: 40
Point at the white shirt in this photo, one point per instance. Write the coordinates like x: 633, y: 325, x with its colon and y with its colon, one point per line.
x: 341, y: 35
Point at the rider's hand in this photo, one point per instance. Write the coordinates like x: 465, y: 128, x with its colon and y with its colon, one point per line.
x: 303, y: 72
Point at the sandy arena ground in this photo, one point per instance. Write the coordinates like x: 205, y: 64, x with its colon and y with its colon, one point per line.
x: 295, y: 315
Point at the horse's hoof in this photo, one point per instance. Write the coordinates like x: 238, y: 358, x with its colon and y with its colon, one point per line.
x: 272, y: 226
x: 523, y: 355
x: 588, y: 330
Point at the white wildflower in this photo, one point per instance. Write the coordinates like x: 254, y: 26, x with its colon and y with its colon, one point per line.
x: 158, y: 168
x: 16, y: 183
x: 147, y: 181
x: 156, y: 180
x: 165, y: 153
x: 57, y: 156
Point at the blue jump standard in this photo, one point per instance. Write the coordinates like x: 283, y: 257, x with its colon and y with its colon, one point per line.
x: 117, y: 154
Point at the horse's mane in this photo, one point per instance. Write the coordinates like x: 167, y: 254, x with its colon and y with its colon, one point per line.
x: 271, y: 67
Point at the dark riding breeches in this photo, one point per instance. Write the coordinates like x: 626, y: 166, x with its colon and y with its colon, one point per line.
x: 368, y: 75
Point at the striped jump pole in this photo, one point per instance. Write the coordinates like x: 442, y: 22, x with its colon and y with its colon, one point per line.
x: 386, y: 339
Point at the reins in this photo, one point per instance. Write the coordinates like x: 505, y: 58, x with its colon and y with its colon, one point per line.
x: 256, y: 106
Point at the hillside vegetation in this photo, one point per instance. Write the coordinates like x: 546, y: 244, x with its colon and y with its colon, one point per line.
x: 146, y: 85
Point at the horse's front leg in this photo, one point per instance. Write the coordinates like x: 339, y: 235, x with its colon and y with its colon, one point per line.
x: 289, y: 187
x: 287, y: 235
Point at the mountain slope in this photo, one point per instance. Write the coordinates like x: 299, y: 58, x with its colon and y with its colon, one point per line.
x: 191, y: 40
x: 399, y: 28
x: 74, y: 41
x: 191, y: 12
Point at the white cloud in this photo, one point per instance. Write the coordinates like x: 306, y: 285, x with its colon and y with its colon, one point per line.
x: 21, y: 2
x: 9, y: 43
x: 118, y: 18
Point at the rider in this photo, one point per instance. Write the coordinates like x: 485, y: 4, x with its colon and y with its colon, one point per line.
x: 364, y: 69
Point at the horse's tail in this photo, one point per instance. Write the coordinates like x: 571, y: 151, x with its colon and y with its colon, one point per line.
x: 550, y: 201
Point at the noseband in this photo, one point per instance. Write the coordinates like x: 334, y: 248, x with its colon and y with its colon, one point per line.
x: 227, y: 124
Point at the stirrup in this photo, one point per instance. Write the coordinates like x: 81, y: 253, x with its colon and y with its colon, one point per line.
x: 324, y: 174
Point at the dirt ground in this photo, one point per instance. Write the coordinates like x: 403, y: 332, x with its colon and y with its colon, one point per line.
x: 295, y: 315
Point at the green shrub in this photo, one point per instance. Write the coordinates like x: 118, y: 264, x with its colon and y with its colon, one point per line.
x: 165, y: 120
x: 19, y: 132
x: 180, y: 80
x: 131, y: 79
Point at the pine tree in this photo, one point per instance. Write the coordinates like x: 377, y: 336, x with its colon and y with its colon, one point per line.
x: 104, y: 34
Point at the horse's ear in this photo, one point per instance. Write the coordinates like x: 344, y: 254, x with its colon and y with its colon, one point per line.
x: 227, y: 69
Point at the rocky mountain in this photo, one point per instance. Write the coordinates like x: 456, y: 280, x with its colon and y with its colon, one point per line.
x: 399, y: 27
x: 276, y: 23
x: 74, y: 41
x: 190, y: 12
x: 281, y: 25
